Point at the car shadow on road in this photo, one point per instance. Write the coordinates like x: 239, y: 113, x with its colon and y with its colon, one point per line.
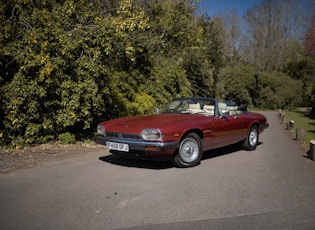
x: 220, y: 152
x: 135, y: 163
x: 158, y: 165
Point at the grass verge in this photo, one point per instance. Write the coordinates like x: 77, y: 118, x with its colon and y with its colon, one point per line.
x: 304, y: 121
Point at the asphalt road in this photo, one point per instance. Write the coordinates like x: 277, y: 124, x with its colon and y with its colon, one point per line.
x: 270, y: 188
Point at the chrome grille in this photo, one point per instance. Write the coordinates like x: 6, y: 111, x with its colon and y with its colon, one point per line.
x: 123, y: 135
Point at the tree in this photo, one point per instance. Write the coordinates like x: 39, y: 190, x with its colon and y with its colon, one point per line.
x: 309, y: 47
x: 212, y: 47
x: 309, y: 39
x: 229, y: 26
x: 185, y: 42
x: 63, y: 53
x: 273, y: 24
x: 202, y: 60
x: 270, y: 90
x: 66, y: 65
x: 237, y: 83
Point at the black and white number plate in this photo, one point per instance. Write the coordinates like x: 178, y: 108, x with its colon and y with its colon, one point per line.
x: 117, y: 146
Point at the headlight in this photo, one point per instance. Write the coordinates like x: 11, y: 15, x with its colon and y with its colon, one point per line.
x: 151, y: 134
x: 101, y: 130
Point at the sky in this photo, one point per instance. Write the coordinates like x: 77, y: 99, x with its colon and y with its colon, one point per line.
x: 213, y: 7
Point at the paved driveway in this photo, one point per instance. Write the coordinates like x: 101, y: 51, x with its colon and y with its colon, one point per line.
x: 270, y: 188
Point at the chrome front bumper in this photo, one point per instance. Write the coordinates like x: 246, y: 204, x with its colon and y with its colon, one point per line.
x: 138, y: 145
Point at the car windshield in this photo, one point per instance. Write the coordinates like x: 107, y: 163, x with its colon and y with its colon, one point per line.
x: 191, y: 106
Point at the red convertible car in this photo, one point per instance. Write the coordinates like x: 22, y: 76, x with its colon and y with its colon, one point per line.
x: 182, y: 131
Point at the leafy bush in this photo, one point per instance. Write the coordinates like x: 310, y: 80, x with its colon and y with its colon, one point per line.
x: 270, y: 91
x: 278, y: 90
x: 66, y: 138
x: 63, y: 54
x: 237, y: 83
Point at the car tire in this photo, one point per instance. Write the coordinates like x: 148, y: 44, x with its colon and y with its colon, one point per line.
x: 189, y: 151
x: 252, y: 138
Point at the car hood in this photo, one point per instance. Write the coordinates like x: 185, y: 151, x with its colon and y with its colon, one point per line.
x: 135, y: 124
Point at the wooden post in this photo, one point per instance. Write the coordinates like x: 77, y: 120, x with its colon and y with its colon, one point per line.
x: 284, y: 120
x: 290, y: 125
x: 279, y: 114
x: 311, y: 153
x: 282, y: 117
x: 300, y: 134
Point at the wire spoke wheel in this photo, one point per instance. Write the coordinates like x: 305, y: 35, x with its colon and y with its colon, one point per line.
x: 189, y: 151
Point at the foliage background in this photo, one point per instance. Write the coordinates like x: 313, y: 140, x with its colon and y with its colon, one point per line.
x: 67, y: 65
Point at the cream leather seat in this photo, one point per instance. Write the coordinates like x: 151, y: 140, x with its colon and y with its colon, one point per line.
x: 194, y: 108
x: 209, y: 109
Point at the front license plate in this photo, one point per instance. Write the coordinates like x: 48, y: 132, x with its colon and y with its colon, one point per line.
x: 117, y: 146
